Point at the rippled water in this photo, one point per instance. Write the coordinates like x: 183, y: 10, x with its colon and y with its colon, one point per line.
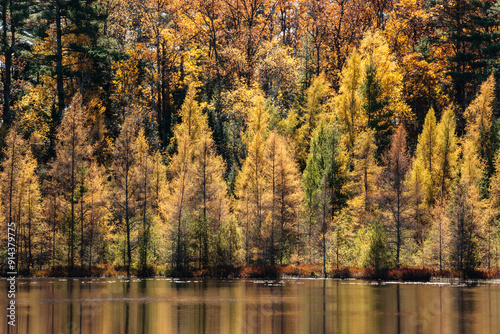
x: 159, y: 305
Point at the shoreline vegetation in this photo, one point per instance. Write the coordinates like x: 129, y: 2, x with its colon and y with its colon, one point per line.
x: 156, y: 137
x: 403, y: 274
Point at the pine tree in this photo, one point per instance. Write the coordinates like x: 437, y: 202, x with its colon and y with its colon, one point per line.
x: 377, y: 256
x: 323, y: 180
x: 382, y: 89
x: 72, y: 158
x: 468, y: 31
x: 379, y: 118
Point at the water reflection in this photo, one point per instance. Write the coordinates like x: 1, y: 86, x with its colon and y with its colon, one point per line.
x: 249, y: 306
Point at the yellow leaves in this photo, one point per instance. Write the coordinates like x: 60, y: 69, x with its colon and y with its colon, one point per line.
x: 194, y: 122
x: 193, y: 59
x: 478, y: 114
x: 348, y: 111
x: 277, y: 70
x: 406, y: 23
x: 129, y: 75
x: 365, y: 171
x: 375, y: 50
x: 447, y: 152
x: 373, y: 53
x: 424, y: 79
x: 472, y: 167
x: 36, y: 113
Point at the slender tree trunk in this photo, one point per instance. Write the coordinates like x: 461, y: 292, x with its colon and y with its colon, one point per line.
x: 59, y: 66
x: 323, y: 228
x: 54, y: 232
x: 440, y: 245
x: 7, y: 51
x: 179, y: 220
x: 282, y: 215
x: 272, y: 210
x: 72, y: 199
x: 398, y: 225
x: 91, y: 239
x: 127, y: 220
x: 159, y: 90
x: 204, y: 232
x: 144, y: 218
x: 81, y: 229
x: 29, y: 232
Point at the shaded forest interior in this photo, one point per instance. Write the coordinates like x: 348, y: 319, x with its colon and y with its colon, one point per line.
x: 167, y: 137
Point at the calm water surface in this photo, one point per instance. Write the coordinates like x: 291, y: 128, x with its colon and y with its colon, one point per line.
x: 109, y: 305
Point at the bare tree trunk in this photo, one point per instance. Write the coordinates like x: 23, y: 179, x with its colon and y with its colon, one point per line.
x: 59, y: 66
x: 7, y: 51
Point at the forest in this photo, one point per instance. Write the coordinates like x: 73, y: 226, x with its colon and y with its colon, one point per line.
x: 169, y: 136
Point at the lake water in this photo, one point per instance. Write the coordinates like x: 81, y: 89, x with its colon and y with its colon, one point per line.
x: 158, y: 305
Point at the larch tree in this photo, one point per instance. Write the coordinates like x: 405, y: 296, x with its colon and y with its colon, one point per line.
x: 425, y: 158
x: 371, y: 93
x: 13, y: 152
x: 382, y: 89
x: 348, y: 110
x: 472, y: 172
x: 181, y: 170
x: 282, y: 198
x: 231, y: 125
x: 323, y: 180
x: 418, y: 209
x: 393, y: 195
x: 20, y: 197
x: 464, y: 228
x: 142, y: 171
x: 124, y: 181
x: 210, y: 194
x: 97, y: 214
x: 159, y: 195
x: 479, y: 120
x: 421, y: 181
x: 445, y: 170
x: 73, y: 153
x: 316, y: 102
x: 493, y: 222
x: 362, y: 186
x: 30, y: 209
x: 447, y: 153
x: 251, y: 181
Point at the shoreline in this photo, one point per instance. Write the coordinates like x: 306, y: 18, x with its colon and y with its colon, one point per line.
x: 401, y: 274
